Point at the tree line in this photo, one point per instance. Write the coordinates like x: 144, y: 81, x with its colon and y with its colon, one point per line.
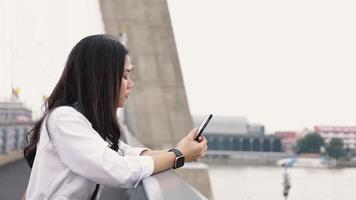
x: 314, y: 143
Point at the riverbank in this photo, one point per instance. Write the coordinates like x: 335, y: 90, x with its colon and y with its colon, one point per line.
x: 270, y: 159
x: 244, y: 158
x: 345, y: 164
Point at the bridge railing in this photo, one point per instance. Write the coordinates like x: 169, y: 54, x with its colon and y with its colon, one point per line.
x: 164, y: 185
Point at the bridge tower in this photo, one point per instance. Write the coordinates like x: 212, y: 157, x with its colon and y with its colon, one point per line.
x: 157, y: 112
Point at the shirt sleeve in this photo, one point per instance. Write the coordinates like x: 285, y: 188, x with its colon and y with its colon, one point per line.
x: 131, y: 151
x: 84, y: 152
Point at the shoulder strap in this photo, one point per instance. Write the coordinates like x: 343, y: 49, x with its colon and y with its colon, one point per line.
x: 77, y: 107
x: 95, y: 193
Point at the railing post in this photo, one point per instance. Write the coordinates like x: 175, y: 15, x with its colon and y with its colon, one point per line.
x: 1, y: 142
x: 4, y: 139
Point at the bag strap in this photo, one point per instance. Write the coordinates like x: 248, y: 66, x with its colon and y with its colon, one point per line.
x: 95, y: 193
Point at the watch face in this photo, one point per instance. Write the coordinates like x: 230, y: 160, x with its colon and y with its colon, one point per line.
x: 180, y: 161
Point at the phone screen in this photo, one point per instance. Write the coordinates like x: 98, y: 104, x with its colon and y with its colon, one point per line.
x: 202, y: 126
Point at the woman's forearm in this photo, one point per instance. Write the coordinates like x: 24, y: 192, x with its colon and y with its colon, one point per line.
x: 153, y: 152
x: 163, y: 161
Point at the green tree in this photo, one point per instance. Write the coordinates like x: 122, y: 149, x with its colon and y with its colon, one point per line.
x: 335, y: 148
x: 311, y: 143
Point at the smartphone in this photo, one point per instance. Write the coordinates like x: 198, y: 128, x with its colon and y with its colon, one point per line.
x: 202, y: 126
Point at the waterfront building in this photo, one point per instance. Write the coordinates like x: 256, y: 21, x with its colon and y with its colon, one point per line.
x: 288, y: 139
x: 230, y: 125
x: 346, y: 133
x: 237, y: 134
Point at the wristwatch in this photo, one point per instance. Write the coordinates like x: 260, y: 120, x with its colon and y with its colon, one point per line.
x: 179, y: 161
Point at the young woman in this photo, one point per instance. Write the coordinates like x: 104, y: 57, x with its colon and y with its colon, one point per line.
x: 73, y: 147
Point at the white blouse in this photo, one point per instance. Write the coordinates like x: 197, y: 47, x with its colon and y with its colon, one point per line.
x: 76, y: 158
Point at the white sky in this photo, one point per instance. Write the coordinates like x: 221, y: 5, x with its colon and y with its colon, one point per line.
x: 285, y: 64
x: 35, y: 39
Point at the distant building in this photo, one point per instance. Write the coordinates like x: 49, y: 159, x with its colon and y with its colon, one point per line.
x: 230, y: 125
x: 12, y: 135
x: 346, y: 133
x: 289, y: 139
x: 255, y: 129
x: 14, y: 112
x: 239, y: 142
x: 15, y: 122
x: 237, y: 134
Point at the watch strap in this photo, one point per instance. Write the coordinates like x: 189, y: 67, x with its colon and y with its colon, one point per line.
x: 179, y: 156
x: 177, y: 152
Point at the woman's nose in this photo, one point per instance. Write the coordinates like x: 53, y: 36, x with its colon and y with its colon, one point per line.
x: 131, y: 84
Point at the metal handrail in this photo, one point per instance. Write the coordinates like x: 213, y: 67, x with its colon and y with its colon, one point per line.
x: 161, y: 186
x: 164, y: 185
x: 169, y: 185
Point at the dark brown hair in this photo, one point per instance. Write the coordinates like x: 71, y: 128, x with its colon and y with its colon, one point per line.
x: 91, y: 79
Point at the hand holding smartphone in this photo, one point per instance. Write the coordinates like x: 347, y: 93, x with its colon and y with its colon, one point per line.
x: 202, y: 127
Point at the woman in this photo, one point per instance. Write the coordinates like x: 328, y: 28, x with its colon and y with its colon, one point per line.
x: 73, y: 147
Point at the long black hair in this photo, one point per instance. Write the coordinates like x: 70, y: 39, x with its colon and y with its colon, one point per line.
x: 91, y: 79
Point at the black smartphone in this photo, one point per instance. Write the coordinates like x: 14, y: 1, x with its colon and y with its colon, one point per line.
x: 202, y: 127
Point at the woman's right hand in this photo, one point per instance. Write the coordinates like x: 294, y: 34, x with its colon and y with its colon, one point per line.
x: 190, y: 148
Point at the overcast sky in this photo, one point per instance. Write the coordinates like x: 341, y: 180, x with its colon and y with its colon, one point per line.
x: 35, y: 40
x: 285, y: 64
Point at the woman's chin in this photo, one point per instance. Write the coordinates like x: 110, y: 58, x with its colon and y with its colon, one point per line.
x: 122, y: 104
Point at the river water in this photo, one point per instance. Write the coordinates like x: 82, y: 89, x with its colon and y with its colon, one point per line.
x: 265, y: 183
